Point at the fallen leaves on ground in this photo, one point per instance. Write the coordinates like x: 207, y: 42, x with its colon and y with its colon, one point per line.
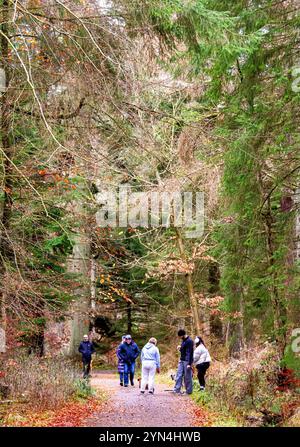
x: 74, y: 414
x: 202, y: 418
x: 71, y: 414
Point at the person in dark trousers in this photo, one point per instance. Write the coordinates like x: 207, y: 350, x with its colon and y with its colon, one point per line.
x: 184, y: 371
x: 202, y: 361
x: 86, y: 348
x: 129, y: 352
x: 121, y: 363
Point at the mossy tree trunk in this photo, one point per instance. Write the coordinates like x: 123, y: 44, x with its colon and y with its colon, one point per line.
x: 79, y: 263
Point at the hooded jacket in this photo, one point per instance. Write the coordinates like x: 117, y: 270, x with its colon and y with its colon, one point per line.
x: 151, y: 352
x: 128, y: 352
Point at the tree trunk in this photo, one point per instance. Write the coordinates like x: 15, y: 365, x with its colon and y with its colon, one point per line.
x: 6, y: 166
x: 296, y: 199
x: 214, y: 281
x: 294, y: 310
x: 190, y: 288
x: 93, y: 283
x: 79, y: 262
x: 279, y: 309
x: 70, y: 331
x: 129, y: 318
x: 236, y: 334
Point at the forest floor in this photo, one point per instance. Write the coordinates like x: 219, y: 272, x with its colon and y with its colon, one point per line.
x: 128, y: 407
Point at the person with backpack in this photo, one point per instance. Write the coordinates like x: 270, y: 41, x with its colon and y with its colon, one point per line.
x: 150, y: 358
x: 202, y: 361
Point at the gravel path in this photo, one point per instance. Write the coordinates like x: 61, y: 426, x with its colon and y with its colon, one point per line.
x: 126, y: 407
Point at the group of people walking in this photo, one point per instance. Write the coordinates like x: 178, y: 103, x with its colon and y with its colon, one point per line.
x: 127, y: 354
x: 192, y: 353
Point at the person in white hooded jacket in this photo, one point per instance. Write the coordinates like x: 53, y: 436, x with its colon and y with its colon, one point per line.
x: 202, y: 361
x: 150, y: 365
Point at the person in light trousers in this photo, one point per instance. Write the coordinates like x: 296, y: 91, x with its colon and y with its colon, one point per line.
x: 150, y: 365
x: 184, y: 371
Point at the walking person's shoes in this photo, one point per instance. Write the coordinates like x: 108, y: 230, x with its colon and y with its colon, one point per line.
x: 202, y: 388
x: 132, y: 382
x: 126, y: 386
x: 151, y: 392
x: 142, y: 392
x: 121, y: 383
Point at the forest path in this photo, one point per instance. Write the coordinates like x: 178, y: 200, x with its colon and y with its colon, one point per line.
x: 126, y: 407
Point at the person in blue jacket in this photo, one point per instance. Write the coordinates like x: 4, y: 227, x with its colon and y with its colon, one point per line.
x: 184, y: 371
x: 86, y: 348
x: 129, y: 352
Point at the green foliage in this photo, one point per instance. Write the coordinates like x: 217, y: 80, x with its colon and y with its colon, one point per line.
x: 222, y: 416
x: 291, y: 360
x: 58, y: 244
x: 57, y: 298
x: 83, y: 389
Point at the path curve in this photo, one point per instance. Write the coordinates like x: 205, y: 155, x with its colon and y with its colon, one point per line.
x: 126, y: 407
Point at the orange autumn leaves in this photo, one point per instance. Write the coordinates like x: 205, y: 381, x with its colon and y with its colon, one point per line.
x: 52, y: 177
x: 112, y: 290
x: 202, y: 418
x: 72, y: 414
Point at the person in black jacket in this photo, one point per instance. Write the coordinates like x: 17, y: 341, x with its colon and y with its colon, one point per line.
x: 86, y: 348
x: 184, y: 370
x: 129, y: 352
